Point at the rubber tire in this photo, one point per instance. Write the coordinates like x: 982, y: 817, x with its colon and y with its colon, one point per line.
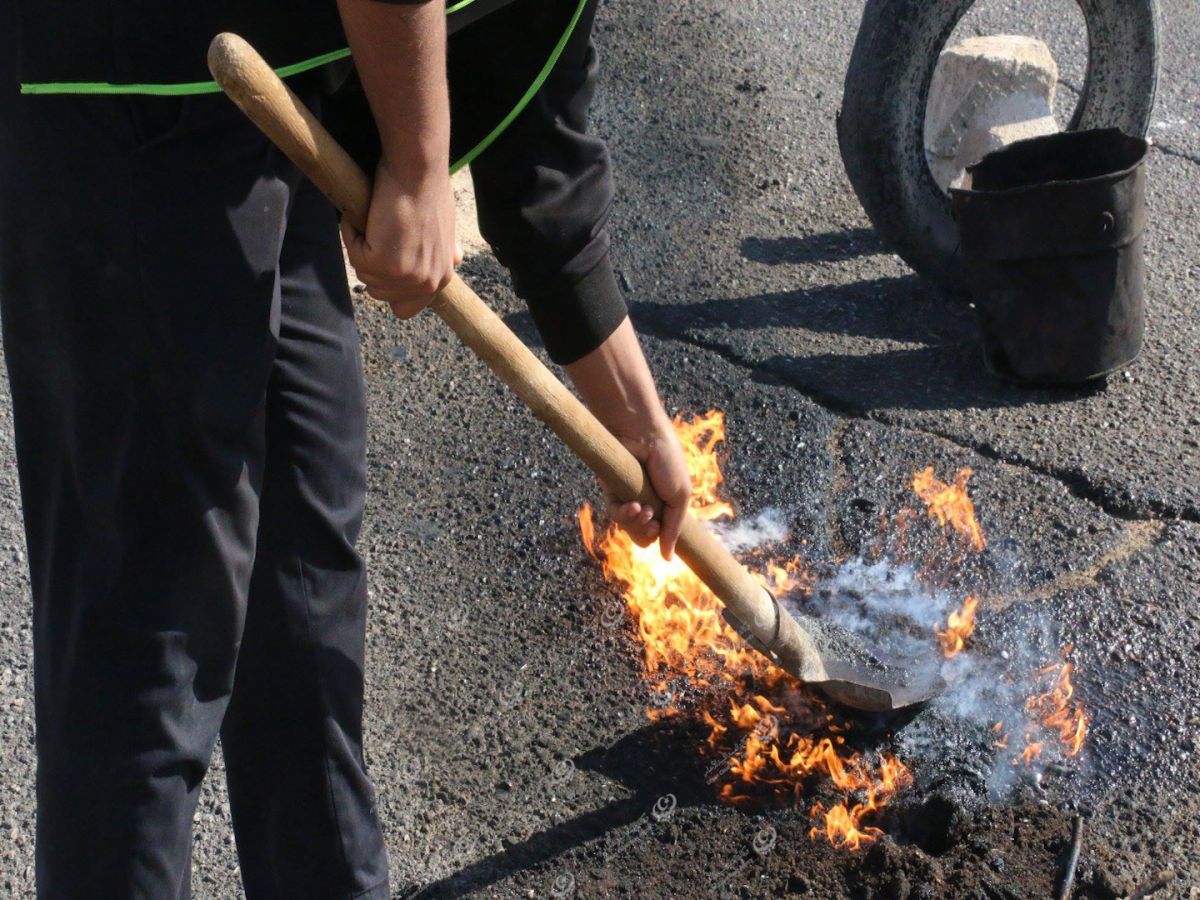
x: 882, y: 121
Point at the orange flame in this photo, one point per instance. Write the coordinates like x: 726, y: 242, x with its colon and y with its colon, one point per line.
x: 959, y: 627
x: 679, y: 619
x: 1055, y: 710
x: 950, y: 504
x: 841, y: 824
x: 785, y: 578
x: 700, y: 438
x: 682, y: 632
x: 842, y: 827
x: 783, y: 736
x: 1001, y: 742
x: 1031, y: 753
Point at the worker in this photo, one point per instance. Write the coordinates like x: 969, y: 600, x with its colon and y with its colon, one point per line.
x: 189, y: 407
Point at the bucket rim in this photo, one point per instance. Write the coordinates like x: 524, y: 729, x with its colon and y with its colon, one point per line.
x: 1115, y: 175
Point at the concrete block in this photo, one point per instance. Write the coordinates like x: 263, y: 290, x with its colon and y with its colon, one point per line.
x: 986, y: 93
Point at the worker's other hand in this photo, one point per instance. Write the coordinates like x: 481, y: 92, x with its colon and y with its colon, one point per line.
x: 658, y: 449
x: 615, y: 383
x: 408, y: 252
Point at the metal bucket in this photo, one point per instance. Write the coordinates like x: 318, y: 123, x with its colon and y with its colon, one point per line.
x: 1051, y: 229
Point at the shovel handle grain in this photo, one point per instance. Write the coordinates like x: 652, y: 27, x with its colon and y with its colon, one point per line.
x: 272, y: 106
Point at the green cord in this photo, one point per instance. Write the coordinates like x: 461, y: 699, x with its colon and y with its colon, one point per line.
x: 211, y: 87
x: 474, y: 152
x: 182, y: 89
x: 187, y: 88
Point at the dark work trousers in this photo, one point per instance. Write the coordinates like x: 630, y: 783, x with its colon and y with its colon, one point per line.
x: 189, y: 418
x: 190, y: 429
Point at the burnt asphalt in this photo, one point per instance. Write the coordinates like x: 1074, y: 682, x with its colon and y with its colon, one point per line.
x: 505, y: 725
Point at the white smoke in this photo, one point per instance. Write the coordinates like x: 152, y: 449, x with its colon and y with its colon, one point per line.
x: 896, y: 614
x: 768, y: 527
x: 978, y: 722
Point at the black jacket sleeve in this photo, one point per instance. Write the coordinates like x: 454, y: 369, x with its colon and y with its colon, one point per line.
x: 544, y: 189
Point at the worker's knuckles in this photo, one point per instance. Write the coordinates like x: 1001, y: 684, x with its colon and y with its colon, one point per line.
x: 414, y: 281
x: 623, y: 513
x: 681, y: 496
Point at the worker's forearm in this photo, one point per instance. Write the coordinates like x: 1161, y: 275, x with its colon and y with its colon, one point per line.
x: 400, y: 54
x: 615, y: 383
x: 407, y: 252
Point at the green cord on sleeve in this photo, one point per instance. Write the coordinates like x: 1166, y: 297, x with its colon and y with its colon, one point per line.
x: 529, y: 94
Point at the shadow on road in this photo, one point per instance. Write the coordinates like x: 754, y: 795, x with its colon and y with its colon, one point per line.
x: 890, y: 308
x: 897, y: 309
x: 647, y: 762
x: 928, y: 378
x: 827, y: 247
x: 944, y: 369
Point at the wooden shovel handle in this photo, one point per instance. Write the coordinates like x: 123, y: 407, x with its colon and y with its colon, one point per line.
x: 272, y: 106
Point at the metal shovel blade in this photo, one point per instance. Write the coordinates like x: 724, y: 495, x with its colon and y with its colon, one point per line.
x: 860, y: 688
x: 878, y: 688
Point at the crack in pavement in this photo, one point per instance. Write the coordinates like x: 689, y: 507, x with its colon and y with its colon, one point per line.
x: 1139, y: 536
x: 1168, y: 150
x: 1075, y: 482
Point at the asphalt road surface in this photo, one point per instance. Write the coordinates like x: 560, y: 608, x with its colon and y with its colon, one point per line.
x: 506, y: 721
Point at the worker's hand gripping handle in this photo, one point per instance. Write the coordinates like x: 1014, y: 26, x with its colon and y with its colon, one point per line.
x: 271, y: 105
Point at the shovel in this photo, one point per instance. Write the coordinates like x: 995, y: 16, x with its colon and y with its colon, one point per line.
x: 861, y: 683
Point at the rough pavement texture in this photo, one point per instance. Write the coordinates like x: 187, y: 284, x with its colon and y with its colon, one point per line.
x: 760, y: 253
x: 506, y: 726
